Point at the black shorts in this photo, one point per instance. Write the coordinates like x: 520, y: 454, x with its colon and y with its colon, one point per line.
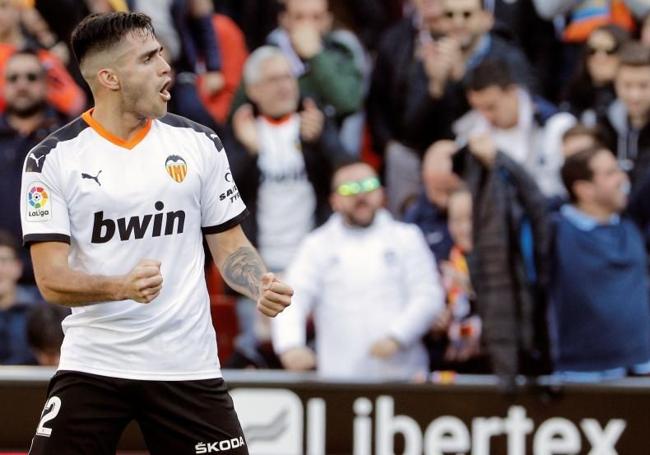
x: 85, y: 414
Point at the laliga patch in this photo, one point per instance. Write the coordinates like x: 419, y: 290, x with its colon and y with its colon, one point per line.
x: 39, y: 206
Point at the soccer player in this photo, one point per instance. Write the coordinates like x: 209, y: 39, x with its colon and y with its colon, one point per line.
x: 114, y: 207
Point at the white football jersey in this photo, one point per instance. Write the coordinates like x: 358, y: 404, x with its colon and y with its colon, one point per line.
x: 116, y: 203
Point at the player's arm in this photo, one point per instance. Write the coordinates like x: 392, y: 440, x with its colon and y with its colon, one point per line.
x: 242, y: 268
x: 60, y: 284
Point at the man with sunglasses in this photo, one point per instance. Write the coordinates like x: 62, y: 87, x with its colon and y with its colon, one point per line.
x: 371, y: 283
x: 27, y: 120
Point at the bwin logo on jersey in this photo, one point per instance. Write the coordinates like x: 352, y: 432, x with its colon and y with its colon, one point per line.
x: 176, y: 167
x: 137, y: 227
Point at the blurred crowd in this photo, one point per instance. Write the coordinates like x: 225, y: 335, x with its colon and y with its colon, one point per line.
x: 447, y: 184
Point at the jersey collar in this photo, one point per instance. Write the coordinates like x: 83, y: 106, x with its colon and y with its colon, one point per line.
x: 130, y: 144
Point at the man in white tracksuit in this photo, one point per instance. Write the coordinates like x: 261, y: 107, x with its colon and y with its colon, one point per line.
x: 372, y: 284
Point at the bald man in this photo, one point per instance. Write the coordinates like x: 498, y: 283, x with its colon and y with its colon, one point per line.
x: 429, y: 212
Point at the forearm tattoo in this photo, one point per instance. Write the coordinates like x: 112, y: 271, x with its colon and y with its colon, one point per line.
x: 243, y: 271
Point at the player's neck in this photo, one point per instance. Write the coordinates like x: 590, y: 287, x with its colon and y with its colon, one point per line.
x: 123, y: 125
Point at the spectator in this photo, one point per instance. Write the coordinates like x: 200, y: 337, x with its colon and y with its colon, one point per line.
x: 282, y: 155
x: 526, y: 128
x: 579, y: 138
x: 62, y: 91
x: 519, y: 21
x: 508, y: 263
x: 373, y: 286
x: 468, y: 23
x: 397, y: 57
x: 600, y: 314
x: 577, y: 19
x: 325, y: 67
x: 27, y: 120
x: 326, y: 62
x: 429, y: 212
x: 459, y: 330
x: 626, y: 124
x: 15, y: 305
x: 233, y: 56
x: 431, y: 97
x: 591, y: 90
x: 44, y: 333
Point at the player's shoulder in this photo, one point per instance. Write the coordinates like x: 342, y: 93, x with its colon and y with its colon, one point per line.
x: 36, y: 157
x: 178, y: 121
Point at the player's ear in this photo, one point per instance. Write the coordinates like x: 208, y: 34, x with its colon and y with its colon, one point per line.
x: 107, y: 78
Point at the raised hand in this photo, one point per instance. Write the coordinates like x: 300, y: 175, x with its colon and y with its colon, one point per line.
x: 306, y: 41
x: 311, y: 121
x: 245, y: 128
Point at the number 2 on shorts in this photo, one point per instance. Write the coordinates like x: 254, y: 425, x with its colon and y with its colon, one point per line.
x: 50, y: 411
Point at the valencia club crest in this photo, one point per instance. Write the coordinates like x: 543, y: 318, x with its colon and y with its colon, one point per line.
x: 176, y: 167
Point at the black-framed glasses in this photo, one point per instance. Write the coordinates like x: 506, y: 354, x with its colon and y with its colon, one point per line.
x: 595, y: 50
x: 358, y: 186
x: 30, y: 77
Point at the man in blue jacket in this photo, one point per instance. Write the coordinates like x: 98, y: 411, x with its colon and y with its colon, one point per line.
x: 600, y: 312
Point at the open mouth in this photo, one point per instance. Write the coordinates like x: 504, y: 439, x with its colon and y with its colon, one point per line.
x: 164, y: 91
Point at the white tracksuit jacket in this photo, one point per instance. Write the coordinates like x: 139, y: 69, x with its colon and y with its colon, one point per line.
x: 362, y: 285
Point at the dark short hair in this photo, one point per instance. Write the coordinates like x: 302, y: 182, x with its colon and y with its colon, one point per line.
x: 7, y: 239
x: 581, y: 129
x: 98, y: 32
x: 635, y: 54
x: 29, y: 52
x: 489, y: 73
x: 578, y: 167
x: 343, y: 164
x: 282, y: 6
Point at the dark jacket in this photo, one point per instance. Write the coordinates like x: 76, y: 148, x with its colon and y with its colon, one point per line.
x: 321, y: 158
x: 399, y: 104
x: 631, y: 146
x: 432, y: 221
x: 14, y: 348
x: 13, y: 150
x: 394, y: 65
x: 600, y: 314
x: 509, y: 263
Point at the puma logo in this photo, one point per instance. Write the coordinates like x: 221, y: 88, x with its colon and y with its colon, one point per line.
x: 92, y: 177
x: 36, y: 159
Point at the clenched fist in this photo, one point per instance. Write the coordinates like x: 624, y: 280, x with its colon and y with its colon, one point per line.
x: 144, y: 281
x: 275, y: 296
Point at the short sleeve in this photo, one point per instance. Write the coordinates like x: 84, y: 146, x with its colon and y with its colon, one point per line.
x: 221, y: 205
x: 43, y: 208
